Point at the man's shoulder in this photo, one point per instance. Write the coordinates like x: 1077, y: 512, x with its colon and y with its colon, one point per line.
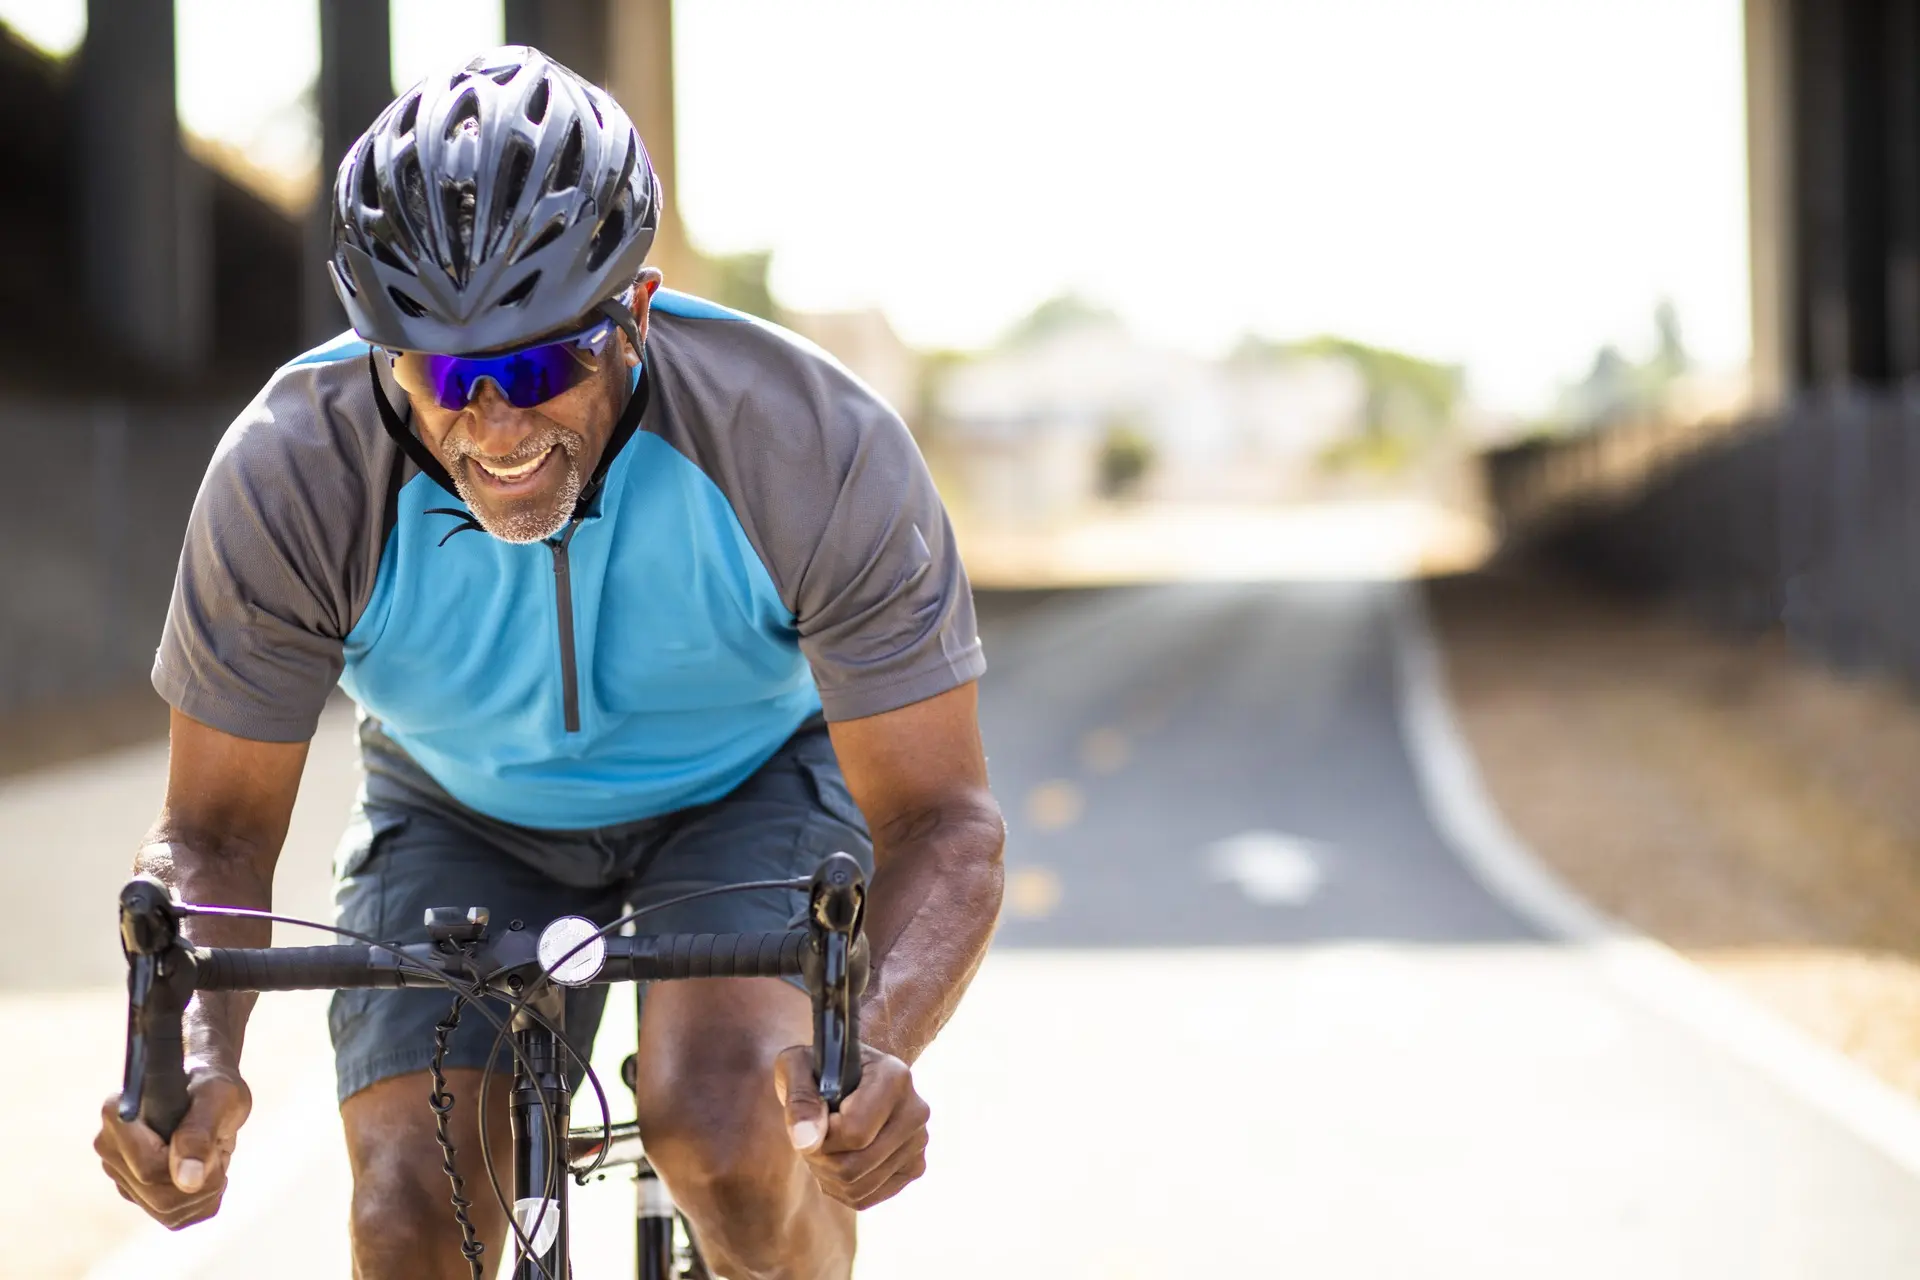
x: 310, y: 440
x: 738, y: 386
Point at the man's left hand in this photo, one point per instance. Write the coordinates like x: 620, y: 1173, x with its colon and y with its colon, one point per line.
x: 874, y: 1145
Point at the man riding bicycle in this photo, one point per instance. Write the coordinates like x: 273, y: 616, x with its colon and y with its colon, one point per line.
x: 637, y: 596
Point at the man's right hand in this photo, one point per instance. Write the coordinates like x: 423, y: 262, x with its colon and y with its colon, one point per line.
x: 178, y: 1183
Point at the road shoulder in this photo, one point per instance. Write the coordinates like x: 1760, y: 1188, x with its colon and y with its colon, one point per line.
x: 1746, y: 809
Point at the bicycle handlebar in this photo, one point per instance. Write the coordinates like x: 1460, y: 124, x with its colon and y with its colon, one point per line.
x: 667, y: 957
x: 163, y: 973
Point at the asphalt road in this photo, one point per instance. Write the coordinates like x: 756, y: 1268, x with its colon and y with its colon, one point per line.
x: 1249, y: 1014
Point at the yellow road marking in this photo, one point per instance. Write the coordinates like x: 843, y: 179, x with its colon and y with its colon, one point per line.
x: 1032, y: 893
x: 1105, y: 751
x: 1056, y: 804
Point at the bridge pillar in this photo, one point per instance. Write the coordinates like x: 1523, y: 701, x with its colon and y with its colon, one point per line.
x: 356, y: 84
x: 145, y: 209
x: 627, y: 46
x: 1834, y: 173
x: 573, y: 31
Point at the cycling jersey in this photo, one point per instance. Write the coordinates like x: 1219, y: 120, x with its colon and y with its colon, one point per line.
x: 766, y: 546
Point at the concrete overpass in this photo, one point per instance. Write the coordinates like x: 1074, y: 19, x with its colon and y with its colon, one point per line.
x: 1833, y: 110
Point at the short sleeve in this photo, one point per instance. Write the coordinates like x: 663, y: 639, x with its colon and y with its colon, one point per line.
x: 884, y: 608
x: 265, y: 592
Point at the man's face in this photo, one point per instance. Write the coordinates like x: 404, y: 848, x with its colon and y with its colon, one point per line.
x: 520, y: 471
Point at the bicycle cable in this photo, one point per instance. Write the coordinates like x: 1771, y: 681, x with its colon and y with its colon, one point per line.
x: 606, y: 1118
x: 518, y: 1004
x: 472, y: 1248
x: 471, y: 995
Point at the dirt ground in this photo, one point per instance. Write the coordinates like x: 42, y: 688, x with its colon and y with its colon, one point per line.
x: 1753, y: 811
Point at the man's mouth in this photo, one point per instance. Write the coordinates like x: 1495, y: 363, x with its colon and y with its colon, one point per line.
x: 518, y: 476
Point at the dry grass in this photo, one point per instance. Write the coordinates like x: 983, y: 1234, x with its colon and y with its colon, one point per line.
x: 1753, y: 811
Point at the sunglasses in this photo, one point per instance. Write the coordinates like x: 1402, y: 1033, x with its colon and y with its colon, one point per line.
x: 526, y: 377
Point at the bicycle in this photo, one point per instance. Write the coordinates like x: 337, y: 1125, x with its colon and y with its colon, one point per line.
x: 528, y: 974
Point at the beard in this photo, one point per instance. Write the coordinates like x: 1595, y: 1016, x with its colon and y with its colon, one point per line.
x: 533, y: 517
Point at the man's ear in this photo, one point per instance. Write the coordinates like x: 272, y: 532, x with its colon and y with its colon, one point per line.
x: 644, y: 286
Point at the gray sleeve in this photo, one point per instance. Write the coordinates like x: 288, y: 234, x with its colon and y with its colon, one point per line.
x: 836, y: 499
x: 276, y: 565
x: 883, y: 606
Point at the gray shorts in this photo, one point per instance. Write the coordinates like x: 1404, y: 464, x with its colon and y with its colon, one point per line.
x: 410, y: 846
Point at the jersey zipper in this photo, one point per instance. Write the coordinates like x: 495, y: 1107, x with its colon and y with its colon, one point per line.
x: 563, y: 598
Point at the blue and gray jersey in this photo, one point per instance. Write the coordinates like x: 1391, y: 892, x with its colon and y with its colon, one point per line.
x: 768, y: 545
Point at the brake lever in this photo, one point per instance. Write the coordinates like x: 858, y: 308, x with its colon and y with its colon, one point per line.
x: 835, y: 966
x: 160, y: 973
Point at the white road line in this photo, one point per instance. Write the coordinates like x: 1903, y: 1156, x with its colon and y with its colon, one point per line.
x: 1271, y: 868
x: 1643, y: 968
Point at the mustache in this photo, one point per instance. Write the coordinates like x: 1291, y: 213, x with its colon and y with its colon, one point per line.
x: 460, y: 448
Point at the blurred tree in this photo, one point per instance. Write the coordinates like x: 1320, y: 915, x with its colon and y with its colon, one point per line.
x: 1126, y: 456
x: 1616, y: 387
x: 1670, y: 359
x: 739, y: 280
x: 1056, y: 315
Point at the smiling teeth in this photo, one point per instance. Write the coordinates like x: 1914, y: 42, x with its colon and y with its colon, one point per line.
x: 514, y: 473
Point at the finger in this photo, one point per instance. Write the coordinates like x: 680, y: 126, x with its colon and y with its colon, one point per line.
x: 865, y: 1182
x: 866, y: 1111
x: 894, y: 1185
x: 805, y: 1113
x: 195, y: 1150
x: 906, y: 1130
x: 134, y: 1147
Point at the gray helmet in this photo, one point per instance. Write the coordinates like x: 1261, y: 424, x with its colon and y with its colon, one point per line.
x: 490, y: 207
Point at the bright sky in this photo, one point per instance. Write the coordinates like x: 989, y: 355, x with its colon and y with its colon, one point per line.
x: 1505, y: 183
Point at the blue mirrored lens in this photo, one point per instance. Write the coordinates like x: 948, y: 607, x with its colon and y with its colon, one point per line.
x: 526, y: 378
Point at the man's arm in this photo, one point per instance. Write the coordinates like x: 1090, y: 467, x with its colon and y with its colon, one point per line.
x: 920, y: 777
x: 217, y: 839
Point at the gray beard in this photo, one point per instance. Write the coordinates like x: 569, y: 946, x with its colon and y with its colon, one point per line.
x: 522, y: 524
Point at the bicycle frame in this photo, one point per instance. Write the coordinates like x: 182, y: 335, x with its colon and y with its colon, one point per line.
x: 541, y: 1101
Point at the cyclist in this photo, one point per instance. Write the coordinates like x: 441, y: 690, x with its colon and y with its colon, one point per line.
x: 636, y: 595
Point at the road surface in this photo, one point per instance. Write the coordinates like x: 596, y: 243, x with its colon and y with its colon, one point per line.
x: 1249, y: 1013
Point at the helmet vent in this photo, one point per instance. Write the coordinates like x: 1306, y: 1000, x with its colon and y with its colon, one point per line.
x: 369, y: 176
x: 593, y: 100
x: 519, y: 167
x: 518, y: 294
x: 537, y: 101
x: 413, y: 195
x: 504, y: 75
x: 388, y: 257
x: 406, y: 303
x: 573, y: 156
x: 342, y: 275
x: 546, y: 237
x: 408, y: 115
x: 607, y: 238
x: 626, y: 167
x: 458, y: 200
x: 466, y: 115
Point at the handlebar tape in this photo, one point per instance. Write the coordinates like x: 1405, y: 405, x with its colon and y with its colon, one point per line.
x: 289, y: 969
x: 707, y: 955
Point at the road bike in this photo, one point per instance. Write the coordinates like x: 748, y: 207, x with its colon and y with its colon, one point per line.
x: 527, y: 972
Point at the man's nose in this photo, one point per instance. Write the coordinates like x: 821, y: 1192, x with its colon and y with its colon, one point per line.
x: 496, y: 427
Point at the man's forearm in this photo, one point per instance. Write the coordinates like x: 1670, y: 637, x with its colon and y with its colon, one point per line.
x: 230, y: 873
x: 930, y: 915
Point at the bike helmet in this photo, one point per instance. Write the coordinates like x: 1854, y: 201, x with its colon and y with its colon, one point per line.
x: 491, y: 207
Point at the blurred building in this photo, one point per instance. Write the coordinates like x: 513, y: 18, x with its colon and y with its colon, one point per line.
x: 1027, y: 426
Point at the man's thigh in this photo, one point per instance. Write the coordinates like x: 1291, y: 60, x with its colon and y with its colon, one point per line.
x: 778, y: 825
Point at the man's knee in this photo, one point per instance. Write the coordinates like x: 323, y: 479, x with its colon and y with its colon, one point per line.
x: 720, y: 1148
x: 402, y: 1216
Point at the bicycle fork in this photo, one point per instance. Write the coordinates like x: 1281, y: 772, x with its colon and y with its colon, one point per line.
x: 541, y: 1101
